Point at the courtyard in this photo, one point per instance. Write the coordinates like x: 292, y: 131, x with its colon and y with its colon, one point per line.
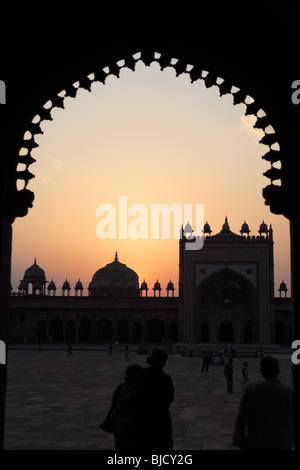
x: 56, y: 402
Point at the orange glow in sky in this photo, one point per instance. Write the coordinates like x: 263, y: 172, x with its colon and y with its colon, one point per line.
x: 155, y: 138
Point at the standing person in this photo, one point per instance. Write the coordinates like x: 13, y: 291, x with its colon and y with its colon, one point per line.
x: 265, y: 418
x: 245, y: 373
x: 126, y: 353
x: 156, y: 395
x: 206, y: 359
x: 70, y: 350
x: 228, y: 372
x: 110, y: 350
x: 124, y: 412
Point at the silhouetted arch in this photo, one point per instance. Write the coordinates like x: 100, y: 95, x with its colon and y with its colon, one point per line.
x: 104, y: 331
x: 226, y: 289
x: 155, y: 331
x: 71, y: 331
x: 83, y: 77
x: 137, y: 334
x: 42, y: 331
x: 226, y: 332
x: 85, y: 329
x: 122, y: 334
x: 56, y: 329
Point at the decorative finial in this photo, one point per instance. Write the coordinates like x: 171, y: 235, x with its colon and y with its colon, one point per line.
x: 116, y: 256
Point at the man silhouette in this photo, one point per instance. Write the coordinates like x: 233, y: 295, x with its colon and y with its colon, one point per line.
x: 264, y: 420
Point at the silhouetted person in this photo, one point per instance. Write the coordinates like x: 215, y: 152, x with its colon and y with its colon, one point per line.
x: 125, y: 411
x: 70, y: 350
x: 245, y: 373
x: 264, y: 420
x: 126, y: 351
x: 228, y: 372
x: 156, y: 395
x: 206, y: 359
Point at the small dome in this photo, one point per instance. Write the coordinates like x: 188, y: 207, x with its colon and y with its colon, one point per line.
x: 206, y: 228
x: 66, y: 285
x: 51, y: 285
x: 79, y: 285
x: 283, y: 286
x: 157, y: 286
x: 245, y: 228
x: 34, y: 273
x: 263, y: 228
x: 170, y: 285
x: 225, y: 227
x: 22, y: 285
x: 188, y: 228
x: 144, y: 285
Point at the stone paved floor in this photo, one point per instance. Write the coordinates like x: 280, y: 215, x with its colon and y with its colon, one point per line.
x: 57, y: 402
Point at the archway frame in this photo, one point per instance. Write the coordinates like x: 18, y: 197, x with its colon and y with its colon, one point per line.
x: 84, y: 75
x: 269, y: 85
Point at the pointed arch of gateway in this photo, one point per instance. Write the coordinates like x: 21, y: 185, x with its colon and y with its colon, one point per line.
x: 227, y: 308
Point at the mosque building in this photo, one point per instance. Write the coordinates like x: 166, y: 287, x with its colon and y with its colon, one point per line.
x: 226, y: 294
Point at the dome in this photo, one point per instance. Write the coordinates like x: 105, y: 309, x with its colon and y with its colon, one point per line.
x: 157, y: 285
x: 225, y: 227
x: 79, y: 285
x: 34, y: 273
x: 263, y: 228
x: 245, y: 228
x: 283, y: 286
x: 114, y: 276
x: 51, y: 285
x: 188, y: 228
x: 144, y: 285
x: 170, y: 285
x: 206, y: 228
x: 66, y: 285
x: 22, y: 285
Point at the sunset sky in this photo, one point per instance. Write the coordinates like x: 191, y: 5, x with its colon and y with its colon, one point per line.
x: 155, y: 138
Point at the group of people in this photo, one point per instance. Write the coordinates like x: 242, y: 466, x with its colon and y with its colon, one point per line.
x: 141, y: 416
x: 140, y: 407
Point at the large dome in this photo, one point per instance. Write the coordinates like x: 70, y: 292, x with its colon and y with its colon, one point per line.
x: 34, y: 273
x: 115, y: 279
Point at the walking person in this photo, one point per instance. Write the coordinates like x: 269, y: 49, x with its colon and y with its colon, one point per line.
x: 264, y: 420
x: 228, y: 372
x: 70, y: 350
x: 126, y: 350
x: 245, y: 373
